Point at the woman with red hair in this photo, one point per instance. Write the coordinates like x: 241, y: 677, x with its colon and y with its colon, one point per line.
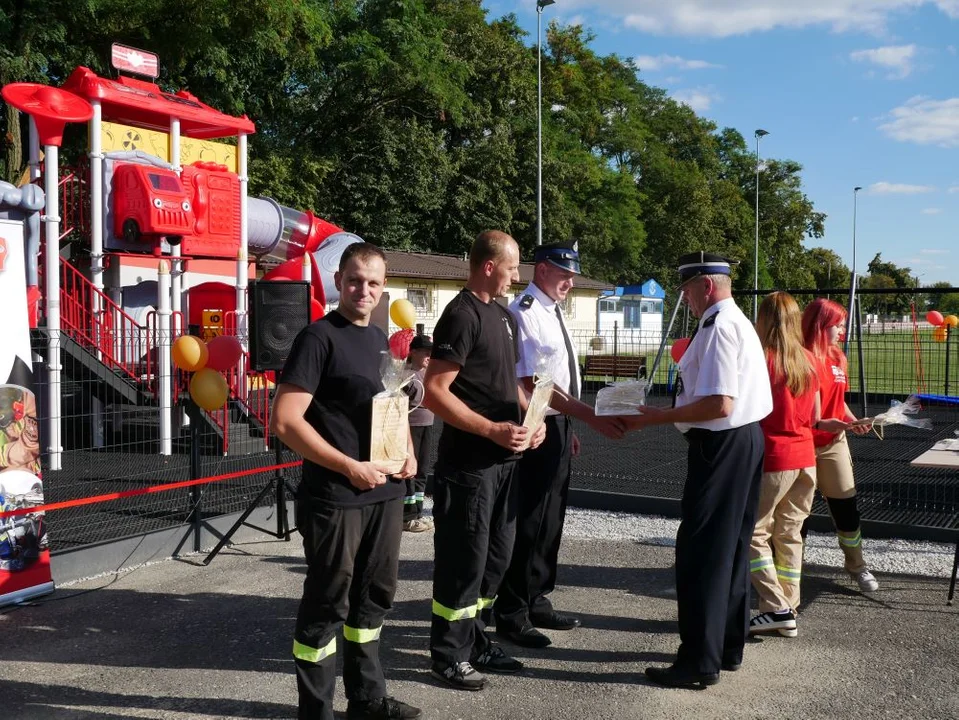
x: 822, y: 325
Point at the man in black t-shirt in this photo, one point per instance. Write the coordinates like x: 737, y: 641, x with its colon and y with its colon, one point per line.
x: 349, y: 511
x: 471, y: 385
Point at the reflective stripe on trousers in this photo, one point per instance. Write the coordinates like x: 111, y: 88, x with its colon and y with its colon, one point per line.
x: 313, y: 655
x: 361, y: 635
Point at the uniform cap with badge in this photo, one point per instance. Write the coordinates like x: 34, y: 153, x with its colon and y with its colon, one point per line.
x: 695, y: 264
x: 563, y: 255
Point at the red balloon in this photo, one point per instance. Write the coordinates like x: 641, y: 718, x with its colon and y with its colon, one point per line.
x: 934, y: 318
x: 224, y: 352
x: 316, y: 310
x: 678, y: 349
x: 400, y: 343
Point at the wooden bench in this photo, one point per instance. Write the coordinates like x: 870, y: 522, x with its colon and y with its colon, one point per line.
x: 628, y: 367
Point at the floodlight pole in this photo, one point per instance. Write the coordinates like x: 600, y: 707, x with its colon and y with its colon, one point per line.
x: 540, y: 4
x: 760, y: 133
x: 853, y: 279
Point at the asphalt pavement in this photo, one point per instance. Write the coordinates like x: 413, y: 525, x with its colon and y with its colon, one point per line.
x: 178, y: 640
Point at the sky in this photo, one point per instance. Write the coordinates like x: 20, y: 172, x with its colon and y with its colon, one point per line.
x: 860, y: 92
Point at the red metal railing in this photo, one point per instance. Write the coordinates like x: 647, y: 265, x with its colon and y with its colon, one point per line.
x: 97, y: 323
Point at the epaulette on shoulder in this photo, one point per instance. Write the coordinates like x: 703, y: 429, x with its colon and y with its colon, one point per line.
x: 526, y: 302
x: 710, y: 321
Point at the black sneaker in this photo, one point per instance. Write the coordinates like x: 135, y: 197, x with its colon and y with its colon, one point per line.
x: 459, y: 675
x: 783, y: 622
x: 495, y: 660
x: 386, y: 708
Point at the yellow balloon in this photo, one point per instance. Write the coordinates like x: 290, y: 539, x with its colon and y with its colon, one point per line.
x: 209, y: 390
x: 403, y: 313
x: 951, y: 320
x: 189, y: 353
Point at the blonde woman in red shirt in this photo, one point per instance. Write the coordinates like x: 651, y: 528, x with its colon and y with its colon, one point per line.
x: 789, y: 468
x: 822, y: 325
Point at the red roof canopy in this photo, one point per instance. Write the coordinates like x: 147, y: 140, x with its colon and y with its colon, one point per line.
x: 143, y: 104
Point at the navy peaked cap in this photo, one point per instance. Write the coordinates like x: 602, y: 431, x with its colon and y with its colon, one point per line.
x: 562, y: 255
x: 703, y: 263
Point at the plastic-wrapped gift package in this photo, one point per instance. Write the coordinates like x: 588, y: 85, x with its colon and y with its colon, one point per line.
x: 389, y: 436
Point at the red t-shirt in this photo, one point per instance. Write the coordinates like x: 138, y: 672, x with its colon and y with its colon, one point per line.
x: 788, y: 428
x: 832, y: 388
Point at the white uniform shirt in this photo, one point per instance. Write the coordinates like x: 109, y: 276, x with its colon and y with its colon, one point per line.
x: 726, y: 358
x: 541, y: 335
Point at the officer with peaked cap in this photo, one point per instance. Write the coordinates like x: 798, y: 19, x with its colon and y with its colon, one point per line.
x: 722, y: 394
x: 523, y: 606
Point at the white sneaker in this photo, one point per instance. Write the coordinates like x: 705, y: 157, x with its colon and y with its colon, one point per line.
x: 783, y: 622
x: 417, y: 525
x: 867, y: 581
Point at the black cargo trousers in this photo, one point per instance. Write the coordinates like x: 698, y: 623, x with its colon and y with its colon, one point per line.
x: 352, y: 557
x: 475, y: 515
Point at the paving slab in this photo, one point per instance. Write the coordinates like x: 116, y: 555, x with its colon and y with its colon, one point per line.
x: 178, y: 640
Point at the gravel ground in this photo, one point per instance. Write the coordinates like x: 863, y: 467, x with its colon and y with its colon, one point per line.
x: 907, y: 557
x: 175, y: 640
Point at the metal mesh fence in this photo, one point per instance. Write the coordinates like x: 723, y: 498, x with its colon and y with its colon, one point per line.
x: 899, y: 357
x: 110, y: 435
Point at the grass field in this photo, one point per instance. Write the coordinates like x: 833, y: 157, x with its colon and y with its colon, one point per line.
x: 889, y: 362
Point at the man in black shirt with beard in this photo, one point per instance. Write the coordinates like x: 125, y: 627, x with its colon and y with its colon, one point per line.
x: 349, y: 511
x: 471, y: 385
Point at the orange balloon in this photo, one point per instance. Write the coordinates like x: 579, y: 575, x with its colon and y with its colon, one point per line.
x: 209, y: 390
x: 934, y: 318
x: 678, y: 349
x: 951, y: 320
x: 189, y: 353
x: 940, y: 334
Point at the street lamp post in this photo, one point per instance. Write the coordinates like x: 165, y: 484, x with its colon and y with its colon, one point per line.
x: 758, y: 134
x: 540, y: 4
x: 852, y: 281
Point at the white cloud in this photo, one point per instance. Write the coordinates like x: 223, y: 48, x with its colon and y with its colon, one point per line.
x: 660, y: 62
x: 954, y: 189
x: 931, y: 211
x: 698, y: 99
x: 925, y: 121
x: 724, y: 18
x: 897, y: 59
x: 576, y: 20
x: 951, y: 49
x: 854, y: 119
x: 887, y: 188
x: 933, y: 251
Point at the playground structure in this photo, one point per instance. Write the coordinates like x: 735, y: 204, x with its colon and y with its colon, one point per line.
x: 143, y: 246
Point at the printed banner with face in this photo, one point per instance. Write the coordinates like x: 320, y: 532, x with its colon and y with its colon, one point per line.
x: 24, y: 548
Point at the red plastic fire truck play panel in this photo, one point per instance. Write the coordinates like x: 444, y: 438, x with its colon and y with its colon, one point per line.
x: 215, y: 195
x: 149, y: 203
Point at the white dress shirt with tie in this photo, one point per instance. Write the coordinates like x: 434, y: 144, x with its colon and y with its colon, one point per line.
x: 541, y: 335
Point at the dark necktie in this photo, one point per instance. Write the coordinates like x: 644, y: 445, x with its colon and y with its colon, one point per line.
x: 570, y: 356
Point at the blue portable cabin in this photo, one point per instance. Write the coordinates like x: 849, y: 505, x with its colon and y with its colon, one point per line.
x: 633, y: 314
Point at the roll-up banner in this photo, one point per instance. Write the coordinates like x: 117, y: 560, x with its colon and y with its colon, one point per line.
x: 24, y: 549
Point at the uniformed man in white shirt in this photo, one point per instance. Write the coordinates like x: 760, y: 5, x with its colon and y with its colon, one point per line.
x: 522, y: 605
x: 722, y: 394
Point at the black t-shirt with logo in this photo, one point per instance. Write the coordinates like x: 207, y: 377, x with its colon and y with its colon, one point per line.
x: 339, y: 363
x: 480, y: 338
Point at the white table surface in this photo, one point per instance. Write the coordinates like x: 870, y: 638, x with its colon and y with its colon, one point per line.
x: 938, y: 459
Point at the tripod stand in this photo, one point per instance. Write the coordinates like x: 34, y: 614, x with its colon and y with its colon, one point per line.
x: 277, y: 483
